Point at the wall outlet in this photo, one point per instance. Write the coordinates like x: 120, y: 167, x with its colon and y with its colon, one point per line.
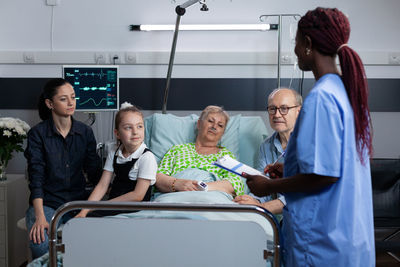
x: 394, y: 58
x: 286, y: 59
x: 115, y: 58
x: 52, y: 2
x: 130, y: 58
x: 100, y: 58
x: 29, y: 57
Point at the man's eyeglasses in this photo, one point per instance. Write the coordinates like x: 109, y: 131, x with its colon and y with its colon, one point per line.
x: 283, y: 110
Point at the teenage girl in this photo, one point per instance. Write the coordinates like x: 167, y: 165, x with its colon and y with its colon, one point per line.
x: 134, y: 165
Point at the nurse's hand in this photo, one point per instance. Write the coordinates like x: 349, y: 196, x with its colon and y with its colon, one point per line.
x: 274, y: 170
x: 257, y: 184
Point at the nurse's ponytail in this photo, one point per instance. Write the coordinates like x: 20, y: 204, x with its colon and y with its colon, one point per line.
x: 329, y: 30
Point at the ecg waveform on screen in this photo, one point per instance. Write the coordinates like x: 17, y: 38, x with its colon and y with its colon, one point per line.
x: 94, y: 102
x: 101, y: 74
x: 96, y: 88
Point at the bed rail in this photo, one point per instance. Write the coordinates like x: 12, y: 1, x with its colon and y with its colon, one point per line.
x: 100, y: 205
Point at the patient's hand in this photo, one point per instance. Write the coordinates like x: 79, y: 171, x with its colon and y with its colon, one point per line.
x: 185, y: 185
x: 246, y: 199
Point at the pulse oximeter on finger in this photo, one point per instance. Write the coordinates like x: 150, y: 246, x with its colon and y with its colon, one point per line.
x: 202, y: 186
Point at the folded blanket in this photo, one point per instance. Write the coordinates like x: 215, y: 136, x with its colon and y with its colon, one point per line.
x: 43, y: 261
x: 200, y: 197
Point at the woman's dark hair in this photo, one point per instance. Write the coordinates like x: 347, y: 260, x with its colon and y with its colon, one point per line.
x: 329, y: 30
x: 49, y: 91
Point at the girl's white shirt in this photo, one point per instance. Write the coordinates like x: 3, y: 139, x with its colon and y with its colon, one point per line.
x: 145, y: 167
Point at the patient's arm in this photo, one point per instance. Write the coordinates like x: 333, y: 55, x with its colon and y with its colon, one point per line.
x: 223, y: 185
x: 166, y: 183
x: 274, y: 206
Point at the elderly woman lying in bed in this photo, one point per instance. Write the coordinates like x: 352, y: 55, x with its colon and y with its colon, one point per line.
x: 184, y: 165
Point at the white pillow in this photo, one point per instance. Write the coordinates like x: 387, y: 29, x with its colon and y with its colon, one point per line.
x: 166, y: 130
x: 230, y: 139
x: 169, y: 130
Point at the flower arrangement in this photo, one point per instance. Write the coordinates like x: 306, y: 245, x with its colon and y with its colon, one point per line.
x: 12, y: 134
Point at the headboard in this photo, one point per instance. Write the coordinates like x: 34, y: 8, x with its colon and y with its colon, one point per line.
x: 243, y: 135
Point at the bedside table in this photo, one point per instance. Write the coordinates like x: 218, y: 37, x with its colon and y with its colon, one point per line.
x: 14, y: 196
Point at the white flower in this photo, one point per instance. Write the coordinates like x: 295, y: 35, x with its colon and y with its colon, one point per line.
x: 7, y: 133
x: 25, y: 126
x: 12, y: 134
x: 19, y: 130
x: 9, y: 124
x: 15, y: 125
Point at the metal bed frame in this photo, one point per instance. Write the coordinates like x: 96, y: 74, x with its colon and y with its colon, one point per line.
x: 55, y: 245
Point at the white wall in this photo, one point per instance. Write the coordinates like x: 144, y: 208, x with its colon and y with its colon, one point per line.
x: 75, y: 31
x: 98, y: 25
x: 54, y: 34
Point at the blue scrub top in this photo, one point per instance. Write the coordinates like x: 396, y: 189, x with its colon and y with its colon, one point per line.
x: 332, y: 226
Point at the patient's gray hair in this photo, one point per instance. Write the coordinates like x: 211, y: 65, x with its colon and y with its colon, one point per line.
x: 298, y: 97
x: 214, y: 109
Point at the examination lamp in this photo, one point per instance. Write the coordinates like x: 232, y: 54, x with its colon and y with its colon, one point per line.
x: 180, y: 11
x: 206, y: 27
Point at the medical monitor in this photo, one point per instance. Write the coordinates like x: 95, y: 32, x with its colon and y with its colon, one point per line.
x: 96, y: 87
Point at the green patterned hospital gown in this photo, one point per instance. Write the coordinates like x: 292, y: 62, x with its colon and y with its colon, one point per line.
x: 182, y: 157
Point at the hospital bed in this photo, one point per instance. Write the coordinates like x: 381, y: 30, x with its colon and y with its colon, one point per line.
x: 175, y: 231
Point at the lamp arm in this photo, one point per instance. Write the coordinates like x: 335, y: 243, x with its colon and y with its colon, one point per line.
x: 171, y: 64
x: 188, y: 3
x: 180, y: 11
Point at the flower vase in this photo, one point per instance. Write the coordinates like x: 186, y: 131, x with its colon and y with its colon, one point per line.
x: 3, y: 167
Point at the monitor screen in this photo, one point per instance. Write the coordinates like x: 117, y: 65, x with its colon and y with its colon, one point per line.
x: 96, y: 87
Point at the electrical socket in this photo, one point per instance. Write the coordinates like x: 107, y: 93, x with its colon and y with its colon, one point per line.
x: 394, y: 58
x: 115, y: 58
x: 52, y: 2
x: 100, y: 58
x: 29, y: 57
x: 130, y: 58
x: 286, y: 59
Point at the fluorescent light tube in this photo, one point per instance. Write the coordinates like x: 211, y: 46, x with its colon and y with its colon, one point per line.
x: 207, y: 27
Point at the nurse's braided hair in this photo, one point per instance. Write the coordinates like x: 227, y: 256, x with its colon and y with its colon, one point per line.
x: 329, y: 30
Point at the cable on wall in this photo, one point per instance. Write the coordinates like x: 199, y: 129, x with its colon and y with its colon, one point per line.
x: 52, y: 29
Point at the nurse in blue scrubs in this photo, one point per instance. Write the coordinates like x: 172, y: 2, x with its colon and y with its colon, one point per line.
x: 328, y: 219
